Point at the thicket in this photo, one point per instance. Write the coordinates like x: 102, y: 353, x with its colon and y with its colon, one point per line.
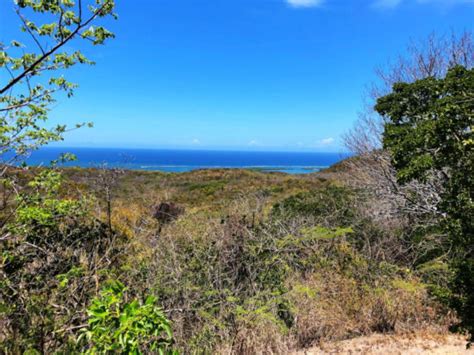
x: 258, y: 276
x: 291, y: 279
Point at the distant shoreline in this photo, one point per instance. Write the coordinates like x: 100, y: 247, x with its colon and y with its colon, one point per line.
x: 166, y: 160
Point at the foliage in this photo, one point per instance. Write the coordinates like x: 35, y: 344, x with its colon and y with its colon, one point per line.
x: 236, y: 286
x: 54, y: 254
x: 255, y: 263
x: 239, y: 277
x: 413, y: 205
x: 39, y: 207
x: 115, y: 325
x: 332, y: 206
x: 430, y: 129
x: 225, y: 281
x: 35, y: 68
x: 428, y: 57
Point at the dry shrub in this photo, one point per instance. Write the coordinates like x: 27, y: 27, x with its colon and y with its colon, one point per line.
x: 320, y: 312
x: 255, y: 273
x: 244, y: 285
x: 132, y: 219
x: 330, y: 306
x: 259, y: 332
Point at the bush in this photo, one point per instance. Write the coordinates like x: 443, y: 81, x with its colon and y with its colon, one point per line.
x: 246, y: 278
x: 53, y: 259
x: 330, y: 206
x: 126, y: 327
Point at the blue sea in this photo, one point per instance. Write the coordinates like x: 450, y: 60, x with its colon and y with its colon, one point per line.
x: 187, y: 160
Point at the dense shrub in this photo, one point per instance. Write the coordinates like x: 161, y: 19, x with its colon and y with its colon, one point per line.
x: 53, y: 259
x: 268, y: 287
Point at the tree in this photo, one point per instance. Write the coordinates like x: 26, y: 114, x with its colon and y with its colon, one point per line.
x: 35, y: 67
x: 432, y: 56
x: 412, y: 206
x: 429, y: 129
x: 45, y: 279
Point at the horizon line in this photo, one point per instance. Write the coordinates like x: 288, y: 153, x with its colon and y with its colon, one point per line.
x: 202, y: 149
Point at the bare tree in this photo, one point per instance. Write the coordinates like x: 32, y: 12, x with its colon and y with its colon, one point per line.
x: 106, y: 183
x: 430, y: 57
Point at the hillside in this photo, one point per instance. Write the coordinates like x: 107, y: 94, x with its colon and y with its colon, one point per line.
x: 273, y: 261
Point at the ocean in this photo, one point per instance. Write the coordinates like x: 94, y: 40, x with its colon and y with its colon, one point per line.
x: 187, y: 160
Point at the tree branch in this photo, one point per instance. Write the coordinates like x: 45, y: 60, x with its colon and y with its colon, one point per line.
x: 30, y: 32
x: 52, y: 50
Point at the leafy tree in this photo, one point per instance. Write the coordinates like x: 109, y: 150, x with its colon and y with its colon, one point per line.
x: 52, y: 250
x: 412, y: 204
x: 54, y: 253
x: 34, y: 68
x: 429, y: 130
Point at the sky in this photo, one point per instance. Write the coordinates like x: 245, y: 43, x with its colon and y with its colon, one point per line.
x: 280, y: 75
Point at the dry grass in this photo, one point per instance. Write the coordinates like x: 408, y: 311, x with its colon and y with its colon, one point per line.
x: 412, y: 343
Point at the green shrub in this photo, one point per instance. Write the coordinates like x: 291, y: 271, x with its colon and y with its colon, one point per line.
x: 332, y: 206
x: 53, y: 258
x: 233, y: 286
x: 126, y: 327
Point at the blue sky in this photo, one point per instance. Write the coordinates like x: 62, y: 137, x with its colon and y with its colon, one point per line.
x: 240, y: 74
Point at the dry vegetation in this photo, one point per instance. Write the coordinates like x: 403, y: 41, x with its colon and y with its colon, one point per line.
x: 259, y: 262
x: 418, y: 343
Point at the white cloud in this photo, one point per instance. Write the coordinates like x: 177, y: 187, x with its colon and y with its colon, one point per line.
x: 304, y: 3
x: 196, y: 141
x: 253, y: 143
x: 326, y: 141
